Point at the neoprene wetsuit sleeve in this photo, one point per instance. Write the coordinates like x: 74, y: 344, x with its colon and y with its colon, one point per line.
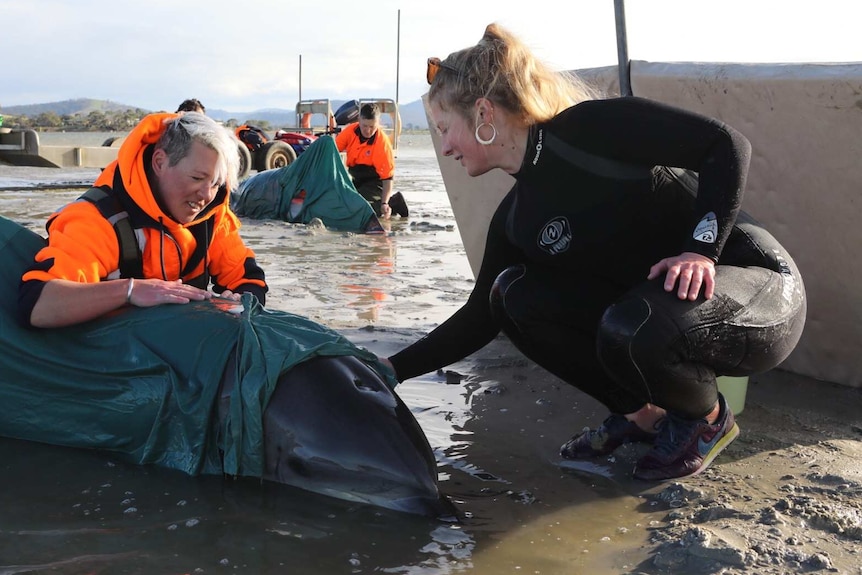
x: 472, y: 327
x: 648, y: 133
x: 467, y: 331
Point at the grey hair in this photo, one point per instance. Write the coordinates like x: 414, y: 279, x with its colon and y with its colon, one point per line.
x: 188, y: 127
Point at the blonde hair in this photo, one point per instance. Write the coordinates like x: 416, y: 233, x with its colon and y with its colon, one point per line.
x: 504, y: 70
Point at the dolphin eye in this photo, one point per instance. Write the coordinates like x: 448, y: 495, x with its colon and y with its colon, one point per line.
x: 361, y: 385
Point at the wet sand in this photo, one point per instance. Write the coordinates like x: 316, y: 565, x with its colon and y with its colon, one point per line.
x: 784, y: 498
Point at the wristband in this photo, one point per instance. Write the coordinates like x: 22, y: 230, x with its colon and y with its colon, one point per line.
x: 129, y: 291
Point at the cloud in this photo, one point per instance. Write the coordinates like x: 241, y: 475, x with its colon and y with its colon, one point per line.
x: 245, y: 56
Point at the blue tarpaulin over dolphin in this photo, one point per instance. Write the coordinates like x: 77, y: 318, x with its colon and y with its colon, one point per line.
x: 329, y: 193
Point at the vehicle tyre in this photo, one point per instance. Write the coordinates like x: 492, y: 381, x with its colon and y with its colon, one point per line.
x: 244, y: 161
x: 274, y: 155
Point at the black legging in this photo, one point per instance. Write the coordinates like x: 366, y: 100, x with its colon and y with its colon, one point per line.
x: 369, y: 185
x: 648, y: 346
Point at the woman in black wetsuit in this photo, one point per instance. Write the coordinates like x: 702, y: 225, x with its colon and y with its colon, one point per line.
x: 608, y: 263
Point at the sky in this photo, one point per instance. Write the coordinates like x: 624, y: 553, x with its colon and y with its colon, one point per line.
x: 258, y: 54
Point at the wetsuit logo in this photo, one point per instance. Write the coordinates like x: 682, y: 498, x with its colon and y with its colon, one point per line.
x: 538, y: 147
x: 556, y: 236
x: 788, y: 287
x: 707, y: 229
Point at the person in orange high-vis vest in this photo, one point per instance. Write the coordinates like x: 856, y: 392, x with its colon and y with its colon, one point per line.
x: 371, y: 162
x: 172, y: 180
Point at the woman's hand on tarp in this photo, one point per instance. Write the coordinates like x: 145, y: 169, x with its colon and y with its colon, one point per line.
x: 227, y: 294
x: 65, y: 302
x: 153, y: 292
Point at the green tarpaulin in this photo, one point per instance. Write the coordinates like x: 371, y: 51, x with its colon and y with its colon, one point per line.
x: 143, y: 383
x: 328, y: 192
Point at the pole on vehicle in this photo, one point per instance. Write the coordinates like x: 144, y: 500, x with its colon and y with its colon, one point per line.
x: 397, y: 73
x: 624, y: 63
x: 300, y: 91
x: 398, y: 56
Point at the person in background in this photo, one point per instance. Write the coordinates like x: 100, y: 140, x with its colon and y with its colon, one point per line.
x: 171, y: 180
x: 601, y: 264
x: 192, y: 105
x: 371, y: 162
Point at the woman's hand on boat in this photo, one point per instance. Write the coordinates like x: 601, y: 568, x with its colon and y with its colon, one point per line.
x: 687, y: 273
x: 152, y: 292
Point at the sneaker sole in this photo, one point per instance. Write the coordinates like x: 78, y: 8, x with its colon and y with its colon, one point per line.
x: 719, y: 446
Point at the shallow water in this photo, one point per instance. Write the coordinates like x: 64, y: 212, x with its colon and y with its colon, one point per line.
x: 494, y: 436
x: 416, y: 273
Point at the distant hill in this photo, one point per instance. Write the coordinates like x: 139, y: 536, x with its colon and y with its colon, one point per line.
x: 412, y: 114
x: 67, y: 107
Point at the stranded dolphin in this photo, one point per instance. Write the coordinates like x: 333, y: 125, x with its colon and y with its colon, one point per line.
x: 215, y: 387
x: 334, y: 427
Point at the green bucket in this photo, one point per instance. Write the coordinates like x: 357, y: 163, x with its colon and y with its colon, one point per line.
x: 733, y: 389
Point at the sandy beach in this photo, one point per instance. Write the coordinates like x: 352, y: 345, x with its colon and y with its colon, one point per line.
x: 785, y: 498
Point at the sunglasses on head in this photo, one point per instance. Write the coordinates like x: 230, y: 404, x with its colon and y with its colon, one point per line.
x: 434, y: 66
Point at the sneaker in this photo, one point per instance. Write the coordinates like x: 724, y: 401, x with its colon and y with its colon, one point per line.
x: 685, y: 447
x: 613, y: 432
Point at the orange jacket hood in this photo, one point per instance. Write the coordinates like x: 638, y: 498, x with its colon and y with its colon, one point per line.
x: 130, y: 161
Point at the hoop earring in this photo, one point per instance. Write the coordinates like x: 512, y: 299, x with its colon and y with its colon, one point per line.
x: 490, y: 140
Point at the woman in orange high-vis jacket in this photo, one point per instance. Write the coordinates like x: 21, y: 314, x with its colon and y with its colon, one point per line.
x: 370, y: 160
x: 172, y: 177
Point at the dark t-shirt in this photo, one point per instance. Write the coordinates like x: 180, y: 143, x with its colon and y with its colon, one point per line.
x: 592, y: 202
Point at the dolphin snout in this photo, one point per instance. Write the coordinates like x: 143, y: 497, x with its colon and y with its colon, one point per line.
x: 332, y: 426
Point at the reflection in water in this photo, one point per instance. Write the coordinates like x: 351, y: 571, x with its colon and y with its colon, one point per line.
x: 373, y: 263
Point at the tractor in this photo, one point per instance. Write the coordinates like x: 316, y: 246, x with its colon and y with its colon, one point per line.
x: 259, y: 152
x: 307, y: 111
